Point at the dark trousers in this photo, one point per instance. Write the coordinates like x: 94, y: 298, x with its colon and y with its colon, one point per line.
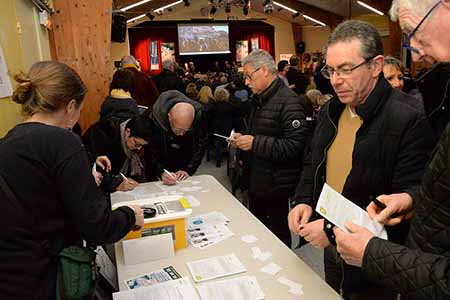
x: 340, y: 275
x: 273, y: 214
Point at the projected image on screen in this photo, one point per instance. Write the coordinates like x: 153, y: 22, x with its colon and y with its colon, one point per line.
x: 203, y: 39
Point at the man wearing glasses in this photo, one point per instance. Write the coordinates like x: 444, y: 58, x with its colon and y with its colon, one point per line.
x: 274, y: 144
x: 179, y: 138
x: 370, y: 139
x: 421, y: 269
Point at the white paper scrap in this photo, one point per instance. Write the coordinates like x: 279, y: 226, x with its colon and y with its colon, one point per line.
x: 191, y: 189
x: 338, y: 210
x: 271, y: 268
x: 180, y: 289
x: 194, y: 182
x: 258, y: 254
x: 215, y: 267
x: 240, y: 288
x: 193, y: 201
x: 294, y: 287
x: 249, y: 238
x: 206, y: 191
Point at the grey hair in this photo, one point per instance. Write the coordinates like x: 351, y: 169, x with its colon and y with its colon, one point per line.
x: 347, y: 31
x: 259, y: 57
x: 129, y: 60
x: 390, y: 60
x: 417, y: 7
x: 167, y: 64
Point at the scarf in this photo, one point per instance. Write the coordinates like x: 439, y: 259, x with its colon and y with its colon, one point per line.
x: 133, y: 160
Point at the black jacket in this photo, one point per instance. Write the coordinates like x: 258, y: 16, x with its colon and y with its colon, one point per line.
x: 168, y: 80
x: 57, y: 201
x: 389, y: 155
x: 280, y: 131
x: 118, y: 108
x: 171, y: 152
x: 422, y: 269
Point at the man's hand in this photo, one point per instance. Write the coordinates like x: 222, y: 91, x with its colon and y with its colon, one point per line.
x: 399, y: 204
x: 139, y: 214
x: 245, y: 142
x: 127, y: 184
x: 181, y: 175
x: 351, y: 246
x: 167, y: 179
x: 314, y: 234
x: 104, y: 163
x: 232, y: 140
x: 299, y: 215
x: 98, y: 177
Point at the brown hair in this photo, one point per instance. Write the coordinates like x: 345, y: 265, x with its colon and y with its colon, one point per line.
x: 221, y: 95
x: 205, y: 95
x: 47, y: 87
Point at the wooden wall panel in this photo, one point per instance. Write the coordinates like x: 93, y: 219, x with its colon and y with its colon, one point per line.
x: 82, y: 39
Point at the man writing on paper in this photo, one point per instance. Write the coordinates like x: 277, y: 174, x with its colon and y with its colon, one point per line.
x: 419, y: 270
x: 278, y: 133
x: 178, y: 140
x: 370, y: 139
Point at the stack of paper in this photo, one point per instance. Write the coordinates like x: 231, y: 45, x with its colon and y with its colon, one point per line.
x: 163, y: 275
x: 180, y: 289
x: 208, y: 229
x: 215, y: 267
x: 241, y: 288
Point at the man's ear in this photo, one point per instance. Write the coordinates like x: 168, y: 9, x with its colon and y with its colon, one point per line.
x: 446, y: 3
x: 378, y: 64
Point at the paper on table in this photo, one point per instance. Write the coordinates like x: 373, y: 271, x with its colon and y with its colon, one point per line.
x: 240, y: 288
x: 258, y: 254
x: 337, y: 209
x: 215, y: 267
x: 271, y: 268
x: 248, y: 238
x: 180, y: 289
x: 107, y: 269
x: 162, y: 275
x: 295, y: 288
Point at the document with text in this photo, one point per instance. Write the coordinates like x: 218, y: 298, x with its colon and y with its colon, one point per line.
x: 337, y: 209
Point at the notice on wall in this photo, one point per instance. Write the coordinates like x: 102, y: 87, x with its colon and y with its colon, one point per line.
x: 5, y: 82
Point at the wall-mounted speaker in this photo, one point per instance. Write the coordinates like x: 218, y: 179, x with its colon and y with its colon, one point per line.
x: 118, y: 28
x: 300, y: 47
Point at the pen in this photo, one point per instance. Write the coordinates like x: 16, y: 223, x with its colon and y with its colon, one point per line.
x: 378, y: 203
x: 123, y: 176
x: 221, y: 136
x: 171, y: 175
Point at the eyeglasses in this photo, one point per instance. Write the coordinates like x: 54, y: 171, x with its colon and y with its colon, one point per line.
x: 181, y: 130
x: 407, y: 43
x: 343, y: 72
x: 249, y: 76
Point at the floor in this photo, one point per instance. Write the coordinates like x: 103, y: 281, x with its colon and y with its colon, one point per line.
x: 311, y: 256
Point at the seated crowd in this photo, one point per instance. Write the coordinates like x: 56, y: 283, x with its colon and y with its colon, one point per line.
x: 354, y: 119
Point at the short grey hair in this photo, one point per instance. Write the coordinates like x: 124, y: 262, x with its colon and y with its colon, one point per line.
x: 417, y: 7
x: 259, y: 57
x: 167, y: 64
x: 129, y: 60
x: 372, y: 45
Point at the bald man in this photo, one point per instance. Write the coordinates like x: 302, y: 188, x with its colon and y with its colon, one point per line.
x: 179, y: 138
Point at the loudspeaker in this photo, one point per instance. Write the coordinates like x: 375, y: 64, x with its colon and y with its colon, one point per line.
x: 118, y: 28
x: 301, y: 47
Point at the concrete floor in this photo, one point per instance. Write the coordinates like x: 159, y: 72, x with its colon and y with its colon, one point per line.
x: 311, y: 256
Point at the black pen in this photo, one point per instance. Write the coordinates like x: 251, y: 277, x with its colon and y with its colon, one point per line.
x: 378, y: 203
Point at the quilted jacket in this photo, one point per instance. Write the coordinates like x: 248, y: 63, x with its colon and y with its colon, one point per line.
x: 421, y: 269
x: 281, y: 133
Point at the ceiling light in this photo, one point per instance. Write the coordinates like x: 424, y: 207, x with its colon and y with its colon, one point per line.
x: 285, y: 7
x: 168, y: 5
x: 135, y: 18
x: 314, y: 20
x: 370, y: 8
x: 134, y: 5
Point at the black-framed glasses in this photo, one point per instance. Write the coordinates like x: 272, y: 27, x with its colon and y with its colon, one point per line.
x: 407, y: 43
x: 343, y: 72
x: 249, y: 76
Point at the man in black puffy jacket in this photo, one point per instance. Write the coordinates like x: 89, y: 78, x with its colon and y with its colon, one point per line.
x: 369, y: 139
x: 421, y: 269
x: 278, y: 133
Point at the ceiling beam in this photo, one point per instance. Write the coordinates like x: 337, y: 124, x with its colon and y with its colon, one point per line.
x: 330, y: 18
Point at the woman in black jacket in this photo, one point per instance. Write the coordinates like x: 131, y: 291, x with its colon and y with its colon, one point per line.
x: 55, y: 198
